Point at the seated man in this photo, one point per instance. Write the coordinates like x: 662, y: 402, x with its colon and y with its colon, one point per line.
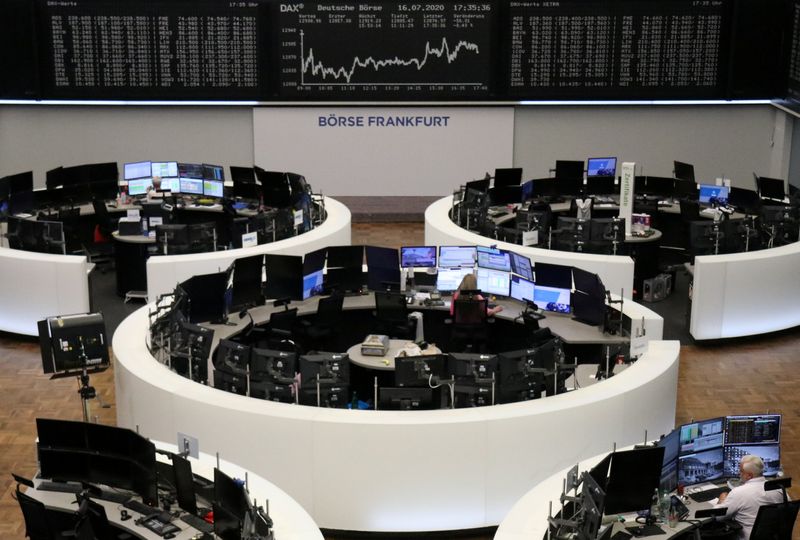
x: 743, y: 501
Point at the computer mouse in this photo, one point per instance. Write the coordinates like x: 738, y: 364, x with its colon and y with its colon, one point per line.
x: 168, y: 535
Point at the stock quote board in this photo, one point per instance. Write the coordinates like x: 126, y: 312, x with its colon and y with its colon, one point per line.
x: 165, y: 49
x: 386, y: 50
x: 601, y: 49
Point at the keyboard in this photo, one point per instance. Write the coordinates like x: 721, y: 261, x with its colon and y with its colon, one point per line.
x: 708, y: 494
x: 197, y: 523
x: 118, y: 497
x: 59, y: 487
x: 140, y: 508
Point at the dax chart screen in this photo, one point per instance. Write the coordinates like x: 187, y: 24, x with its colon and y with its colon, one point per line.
x: 396, y: 50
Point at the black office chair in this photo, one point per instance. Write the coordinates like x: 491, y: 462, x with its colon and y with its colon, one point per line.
x: 469, y: 331
x: 100, y: 250
x: 98, y: 524
x: 38, y: 525
x: 775, y: 521
x: 281, y: 329
x: 391, y: 313
x: 322, y: 333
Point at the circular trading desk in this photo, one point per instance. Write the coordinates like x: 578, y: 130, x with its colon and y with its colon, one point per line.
x: 616, y: 271
x: 165, y: 271
x: 400, y: 471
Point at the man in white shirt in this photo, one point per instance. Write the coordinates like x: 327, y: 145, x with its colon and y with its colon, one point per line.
x: 743, y: 501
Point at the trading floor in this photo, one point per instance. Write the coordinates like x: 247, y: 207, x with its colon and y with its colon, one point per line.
x: 739, y: 376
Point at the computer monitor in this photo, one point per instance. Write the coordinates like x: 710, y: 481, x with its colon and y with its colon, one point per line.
x: 164, y: 169
x: 472, y: 366
x: 521, y: 265
x: 213, y: 188
x: 230, y: 504
x: 333, y: 370
x: 521, y: 379
x: 140, y: 169
x: 684, y: 189
x: 284, y: 276
x: 457, y: 256
x: 345, y: 256
x: 699, y: 467
x: 171, y: 184
x: 702, y: 435
x: 191, y: 186
x: 753, y: 429
x: 507, y: 177
x: 481, y: 185
x: 526, y: 192
x: 405, y: 399
x: 139, y: 187
x: 381, y: 257
x: 172, y: 237
x: 683, y: 171
x: 601, y: 167
x: 418, y: 256
x: 669, y: 467
x: 190, y: 170
x: 493, y: 259
x: 553, y: 275
x: 588, y: 309
x: 660, y: 186
x: 277, y: 366
x: 552, y: 298
x: 545, y: 187
x: 419, y: 370
x: 522, y: 289
x: 66, y: 340
x: 713, y: 195
x: 771, y: 188
x: 746, y: 200
x: 243, y: 175
x: 770, y: 454
x: 569, y: 170
x: 600, y: 185
x: 213, y: 172
x: 449, y: 279
x: 633, y: 477
x: 247, y: 288
x: 184, y: 484
x: 495, y: 282
x: 206, y: 294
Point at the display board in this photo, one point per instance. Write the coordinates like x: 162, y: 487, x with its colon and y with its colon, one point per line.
x: 575, y: 48
x: 97, y: 48
x: 393, y: 50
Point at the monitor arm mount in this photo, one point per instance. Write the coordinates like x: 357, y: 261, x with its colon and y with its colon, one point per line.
x: 434, y: 381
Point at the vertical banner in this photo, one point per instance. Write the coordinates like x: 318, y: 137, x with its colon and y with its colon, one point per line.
x: 626, y: 194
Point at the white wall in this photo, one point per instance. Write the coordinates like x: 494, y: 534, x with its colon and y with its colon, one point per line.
x: 734, y: 140
x: 40, y: 138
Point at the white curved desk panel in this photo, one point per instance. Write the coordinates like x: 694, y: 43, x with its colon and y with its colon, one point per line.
x: 616, y: 271
x: 39, y: 285
x: 394, y: 471
x: 166, y: 271
x: 745, y: 294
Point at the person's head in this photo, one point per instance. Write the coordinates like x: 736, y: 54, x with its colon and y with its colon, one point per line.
x: 750, y: 467
x: 468, y: 283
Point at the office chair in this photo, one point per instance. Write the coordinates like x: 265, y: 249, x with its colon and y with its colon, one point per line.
x: 100, y: 250
x: 775, y: 521
x: 391, y: 313
x: 321, y: 333
x: 70, y: 218
x: 469, y: 324
x: 281, y: 328
x: 99, y: 525
x: 38, y: 525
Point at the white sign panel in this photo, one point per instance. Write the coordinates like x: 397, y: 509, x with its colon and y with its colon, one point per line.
x: 384, y: 150
x: 626, y: 194
x: 249, y: 239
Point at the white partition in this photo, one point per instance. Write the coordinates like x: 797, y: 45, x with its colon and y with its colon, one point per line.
x: 166, y: 271
x: 39, y: 285
x: 745, y: 294
x: 616, y: 271
x: 395, y: 471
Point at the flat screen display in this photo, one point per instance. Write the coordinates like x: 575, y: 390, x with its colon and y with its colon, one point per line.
x: 455, y: 256
x: 606, y: 166
x: 553, y: 275
x: 140, y: 169
x: 418, y: 256
x: 164, y: 169
x: 771, y: 188
x: 312, y: 284
x: 190, y: 170
x: 493, y: 259
x: 213, y: 172
x: 191, y: 186
x: 212, y: 188
x: 448, y: 279
x: 770, y: 454
x: 494, y: 282
x: 715, y: 195
x: 699, y: 467
x: 522, y: 289
x: 507, y: 177
x: 521, y: 265
x: 552, y: 298
x: 703, y: 435
x: 753, y: 429
x: 172, y: 184
x: 139, y: 187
